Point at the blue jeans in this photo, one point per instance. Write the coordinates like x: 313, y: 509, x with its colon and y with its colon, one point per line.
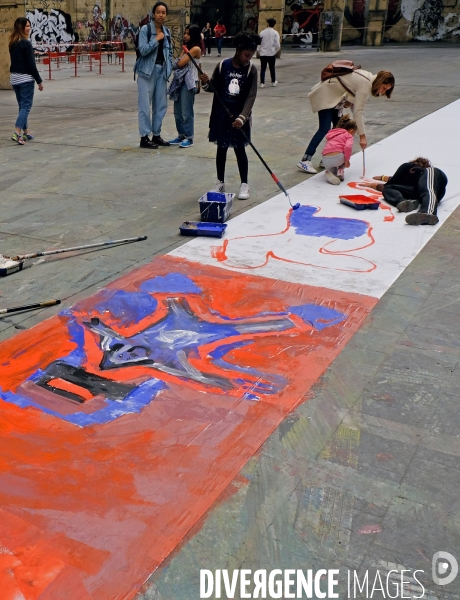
x: 327, y: 117
x: 151, y: 94
x: 25, y: 97
x: 183, y: 112
x: 219, y: 42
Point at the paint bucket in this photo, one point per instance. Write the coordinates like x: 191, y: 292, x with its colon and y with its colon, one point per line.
x: 359, y: 202
x: 203, y: 229
x: 215, y: 207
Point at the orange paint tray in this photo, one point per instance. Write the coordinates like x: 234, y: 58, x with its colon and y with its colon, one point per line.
x: 359, y: 202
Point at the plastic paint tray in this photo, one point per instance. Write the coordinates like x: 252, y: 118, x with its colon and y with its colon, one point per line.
x: 216, y: 207
x: 204, y: 229
x: 359, y: 202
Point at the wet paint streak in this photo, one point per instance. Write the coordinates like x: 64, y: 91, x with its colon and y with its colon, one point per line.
x: 108, y: 502
x: 310, y: 225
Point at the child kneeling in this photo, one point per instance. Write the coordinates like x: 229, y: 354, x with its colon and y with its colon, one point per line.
x: 338, y: 148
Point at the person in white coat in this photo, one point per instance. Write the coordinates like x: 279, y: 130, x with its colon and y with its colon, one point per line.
x: 268, y: 50
x: 329, y: 98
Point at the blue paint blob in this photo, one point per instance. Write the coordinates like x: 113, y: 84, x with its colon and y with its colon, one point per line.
x: 305, y: 223
x: 319, y: 317
x: 174, y: 283
x: 127, y: 307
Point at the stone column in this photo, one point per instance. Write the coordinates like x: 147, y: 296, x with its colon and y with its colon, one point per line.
x: 376, y: 14
x: 331, y: 21
x: 9, y: 12
x: 271, y: 9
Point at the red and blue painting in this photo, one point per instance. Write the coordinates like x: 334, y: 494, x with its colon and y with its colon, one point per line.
x: 125, y: 416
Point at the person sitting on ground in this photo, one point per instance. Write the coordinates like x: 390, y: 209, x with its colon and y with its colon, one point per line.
x: 337, y: 151
x: 235, y: 81
x: 415, y: 184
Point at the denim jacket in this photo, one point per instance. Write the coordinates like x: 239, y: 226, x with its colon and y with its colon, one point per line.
x: 146, y: 62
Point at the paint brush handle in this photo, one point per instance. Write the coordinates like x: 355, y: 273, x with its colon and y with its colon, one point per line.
x: 29, y: 306
x: 85, y: 247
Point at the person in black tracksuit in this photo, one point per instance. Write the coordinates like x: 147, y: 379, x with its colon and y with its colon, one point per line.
x: 415, y: 184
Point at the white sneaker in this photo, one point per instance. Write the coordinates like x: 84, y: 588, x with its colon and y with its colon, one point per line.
x: 274, y: 83
x: 219, y: 187
x: 306, y: 166
x: 341, y: 173
x: 244, y: 192
x: 262, y: 85
x: 332, y: 179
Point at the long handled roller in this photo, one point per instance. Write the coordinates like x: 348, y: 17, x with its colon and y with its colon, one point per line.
x: 274, y: 177
x: 11, y: 264
x: 4, y: 311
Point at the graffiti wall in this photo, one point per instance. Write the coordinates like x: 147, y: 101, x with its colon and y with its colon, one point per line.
x: 50, y: 28
x: 301, y: 21
x: 421, y: 20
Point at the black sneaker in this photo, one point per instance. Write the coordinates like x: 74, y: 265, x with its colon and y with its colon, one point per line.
x: 159, y: 141
x: 147, y: 143
x: 420, y: 218
x: 407, y: 205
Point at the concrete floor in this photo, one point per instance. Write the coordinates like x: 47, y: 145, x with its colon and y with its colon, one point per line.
x: 365, y: 474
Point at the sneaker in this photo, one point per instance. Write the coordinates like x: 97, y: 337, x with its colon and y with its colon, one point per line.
x: 219, y: 187
x: 274, y: 83
x: 176, y: 141
x: 332, y: 179
x: 262, y: 85
x: 407, y: 205
x: 306, y: 166
x: 341, y: 173
x: 420, y: 218
x: 16, y: 137
x: 186, y: 144
x: 159, y: 141
x: 27, y: 137
x: 244, y: 192
x: 146, y: 142
x: 218, y: 55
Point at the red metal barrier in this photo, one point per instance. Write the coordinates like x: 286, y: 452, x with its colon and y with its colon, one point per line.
x: 80, y: 55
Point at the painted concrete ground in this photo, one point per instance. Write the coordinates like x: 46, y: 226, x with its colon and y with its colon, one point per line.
x: 158, y: 389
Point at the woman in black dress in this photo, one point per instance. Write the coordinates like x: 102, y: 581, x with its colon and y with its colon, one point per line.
x: 235, y: 81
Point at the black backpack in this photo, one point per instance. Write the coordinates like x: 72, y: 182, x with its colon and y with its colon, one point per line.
x: 136, y: 41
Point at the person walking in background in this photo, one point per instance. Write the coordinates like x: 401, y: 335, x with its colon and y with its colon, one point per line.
x: 219, y: 32
x: 184, y: 86
x: 235, y: 81
x: 268, y: 49
x: 207, y: 34
x: 23, y: 75
x: 329, y: 98
x: 153, y: 68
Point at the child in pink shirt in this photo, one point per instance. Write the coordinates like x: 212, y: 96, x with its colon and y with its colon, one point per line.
x: 337, y: 151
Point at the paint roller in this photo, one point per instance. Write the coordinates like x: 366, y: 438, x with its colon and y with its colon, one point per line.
x: 273, y: 176
x: 12, y: 264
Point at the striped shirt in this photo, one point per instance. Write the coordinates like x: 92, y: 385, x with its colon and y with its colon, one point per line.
x: 18, y: 78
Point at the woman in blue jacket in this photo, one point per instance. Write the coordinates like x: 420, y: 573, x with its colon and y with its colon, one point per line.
x: 23, y: 75
x: 153, y: 68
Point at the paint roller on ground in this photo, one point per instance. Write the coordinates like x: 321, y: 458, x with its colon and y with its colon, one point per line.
x: 274, y: 177
x: 12, y: 264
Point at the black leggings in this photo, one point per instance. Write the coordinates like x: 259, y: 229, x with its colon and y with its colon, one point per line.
x: 241, y: 159
x: 270, y: 61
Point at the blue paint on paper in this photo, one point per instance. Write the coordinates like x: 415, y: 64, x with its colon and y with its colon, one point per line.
x: 305, y: 223
x: 318, y: 316
x: 128, y: 308
x: 173, y: 283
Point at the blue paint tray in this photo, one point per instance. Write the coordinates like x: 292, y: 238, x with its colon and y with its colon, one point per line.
x: 359, y: 202
x: 215, y: 207
x: 204, y: 229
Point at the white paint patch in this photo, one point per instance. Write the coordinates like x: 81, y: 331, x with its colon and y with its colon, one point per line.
x: 256, y: 245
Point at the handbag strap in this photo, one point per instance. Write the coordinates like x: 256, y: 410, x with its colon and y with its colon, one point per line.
x: 347, y: 88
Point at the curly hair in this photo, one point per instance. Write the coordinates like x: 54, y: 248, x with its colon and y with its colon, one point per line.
x: 246, y: 41
x: 346, y: 123
x: 421, y: 162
